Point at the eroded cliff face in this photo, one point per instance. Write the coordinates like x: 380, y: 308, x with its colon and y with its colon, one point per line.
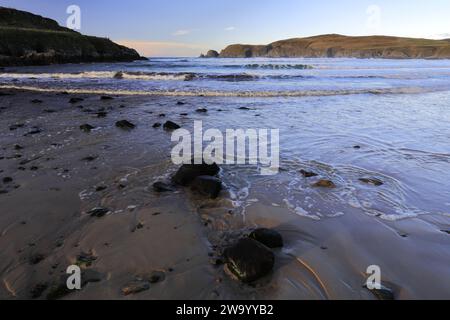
x: 28, y: 39
x: 337, y: 46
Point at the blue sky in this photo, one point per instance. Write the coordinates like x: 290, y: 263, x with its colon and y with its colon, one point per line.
x: 188, y: 27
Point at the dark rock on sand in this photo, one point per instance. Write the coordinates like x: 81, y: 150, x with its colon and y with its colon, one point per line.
x: 157, y: 125
x: 33, y: 131
x: 101, y: 188
x: 382, y: 294
x: 202, y: 110
x: 324, y: 184
x: 162, y: 115
x: 58, y: 291
x: 244, y: 108
x: 36, y: 101
x: 90, y: 158
x: 169, y: 125
x: 18, y: 147
x: 106, y: 98
x: 156, y: 277
x: 249, y: 260
x: 269, y: 238
x: 98, y: 212
x: 308, y: 174
x: 7, y: 180
x: 85, y: 259
x: 162, y: 187
x: 376, y: 182
x: 188, y: 172
x: 91, y: 276
x: 102, y: 114
x: 86, y: 127
x: 36, y: 258
x: 16, y: 126
x: 136, y: 286
x: 37, y: 291
x: 181, y: 103
x: 75, y: 100
x: 125, y: 124
x: 207, y: 185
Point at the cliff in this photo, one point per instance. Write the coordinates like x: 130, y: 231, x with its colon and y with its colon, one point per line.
x: 338, y: 46
x: 29, y: 39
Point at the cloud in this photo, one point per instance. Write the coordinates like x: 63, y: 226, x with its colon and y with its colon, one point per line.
x: 230, y: 28
x: 181, y: 33
x: 163, y: 48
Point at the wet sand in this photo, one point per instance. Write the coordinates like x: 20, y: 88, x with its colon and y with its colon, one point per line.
x: 59, y: 173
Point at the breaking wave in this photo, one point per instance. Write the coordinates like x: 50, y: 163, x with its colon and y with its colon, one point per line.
x: 243, y: 94
x: 272, y: 66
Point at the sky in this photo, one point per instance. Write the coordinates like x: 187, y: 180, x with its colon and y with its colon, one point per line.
x: 190, y: 27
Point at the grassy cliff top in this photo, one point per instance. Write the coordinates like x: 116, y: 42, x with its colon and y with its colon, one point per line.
x: 12, y: 18
x: 29, y: 39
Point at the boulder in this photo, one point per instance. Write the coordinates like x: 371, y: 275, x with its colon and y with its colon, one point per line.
x: 269, y: 238
x: 161, y: 187
x: 376, y: 182
x: 308, y: 174
x: 188, y: 172
x: 118, y: 75
x: 169, y: 125
x: 33, y: 131
x: 125, y: 124
x: 324, y: 184
x: 383, y: 293
x: 207, y: 185
x: 86, y: 127
x: 249, y: 260
x: 98, y: 212
x: 135, y: 287
x: 7, y: 179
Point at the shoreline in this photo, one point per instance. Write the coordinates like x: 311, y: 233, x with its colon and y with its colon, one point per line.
x: 45, y: 226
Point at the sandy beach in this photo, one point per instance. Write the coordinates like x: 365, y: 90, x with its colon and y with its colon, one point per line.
x: 59, y: 173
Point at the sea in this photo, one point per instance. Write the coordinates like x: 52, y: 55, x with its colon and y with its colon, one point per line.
x: 343, y: 119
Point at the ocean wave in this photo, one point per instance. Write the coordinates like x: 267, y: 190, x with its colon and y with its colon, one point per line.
x: 243, y: 94
x: 190, y: 76
x: 155, y: 76
x: 271, y: 66
x: 143, y: 76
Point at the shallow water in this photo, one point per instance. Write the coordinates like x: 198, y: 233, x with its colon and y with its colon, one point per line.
x: 395, y: 111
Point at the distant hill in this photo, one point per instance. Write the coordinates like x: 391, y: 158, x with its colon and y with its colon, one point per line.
x: 335, y: 45
x: 29, y: 39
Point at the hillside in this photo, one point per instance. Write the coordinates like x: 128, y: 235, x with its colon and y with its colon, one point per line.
x: 335, y: 45
x: 29, y: 39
